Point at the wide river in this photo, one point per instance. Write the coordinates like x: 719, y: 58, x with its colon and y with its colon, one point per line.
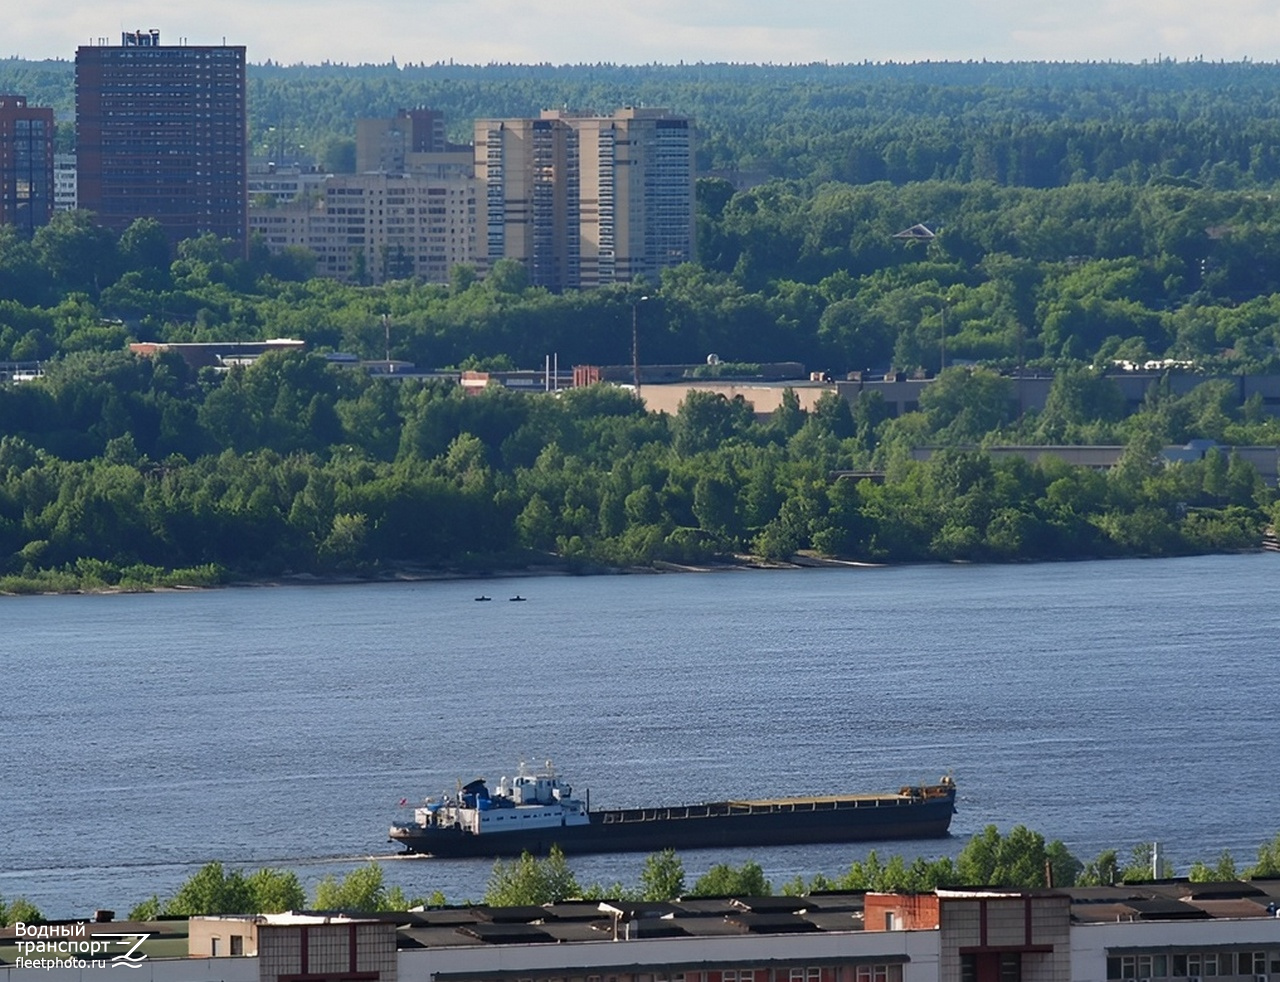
x: 1102, y: 703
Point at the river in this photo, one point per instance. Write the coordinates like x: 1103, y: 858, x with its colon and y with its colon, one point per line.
x: 1102, y: 703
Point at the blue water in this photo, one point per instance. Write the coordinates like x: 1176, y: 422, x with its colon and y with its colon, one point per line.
x: 1105, y: 704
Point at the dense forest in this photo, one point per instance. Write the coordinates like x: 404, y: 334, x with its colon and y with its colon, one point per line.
x: 1031, y: 124
x: 1153, y: 235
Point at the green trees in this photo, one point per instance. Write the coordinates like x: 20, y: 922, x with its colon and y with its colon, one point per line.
x: 1268, y: 863
x: 22, y: 278
x: 360, y: 890
x: 1078, y: 397
x: 662, y: 877
x: 283, y: 402
x: 76, y: 252
x: 1074, y: 204
x: 215, y: 890
x: 814, y: 279
x: 135, y: 467
x: 723, y: 880
x: 964, y: 405
x: 212, y: 890
x: 533, y: 880
x: 144, y: 252
x: 874, y: 874
x: 529, y: 880
x: 809, y: 272
x: 1103, y: 870
x: 1020, y: 858
x: 1223, y: 871
x: 706, y: 420
x: 275, y: 891
x: 19, y: 910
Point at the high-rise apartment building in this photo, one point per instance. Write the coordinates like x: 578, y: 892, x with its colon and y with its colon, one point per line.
x: 26, y: 164
x: 587, y: 200
x: 160, y: 133
x: 528, y: 175
x: 636, y: 194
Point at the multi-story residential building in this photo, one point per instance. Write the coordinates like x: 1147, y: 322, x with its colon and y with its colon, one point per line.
x: 587, y: 200
x: 389, y: 144
x: 160, y: 132
x: 283, y: 224
x: 409, y: 212
x: 411, y: 142
x: 528, y: 173
x: 26, y: 163
x: 375, y: 227
x: 636, y: 194
x: 64, y: 182
x: 270, y: 184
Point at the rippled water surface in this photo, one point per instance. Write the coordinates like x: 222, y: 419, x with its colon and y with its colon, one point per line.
x: 1100, y: 703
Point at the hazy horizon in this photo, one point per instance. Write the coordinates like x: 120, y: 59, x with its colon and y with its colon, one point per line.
x: 585, y: 32
x: 69, y: 61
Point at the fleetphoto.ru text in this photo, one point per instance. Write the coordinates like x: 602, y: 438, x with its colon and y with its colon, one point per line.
x: 51, y: 946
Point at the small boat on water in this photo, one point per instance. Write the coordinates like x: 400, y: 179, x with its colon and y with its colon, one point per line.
x: 535, y: 811
x: 482, y: 598
x: 517, y: 599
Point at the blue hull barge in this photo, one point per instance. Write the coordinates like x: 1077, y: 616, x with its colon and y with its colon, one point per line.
x: 534, y: 812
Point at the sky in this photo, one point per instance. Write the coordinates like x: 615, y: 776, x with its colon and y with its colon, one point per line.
x: 666, y: 31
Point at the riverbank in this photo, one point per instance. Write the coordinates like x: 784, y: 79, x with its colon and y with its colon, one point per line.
x: 62, y: 582
x: 59, y: 582
x: 409, y: 573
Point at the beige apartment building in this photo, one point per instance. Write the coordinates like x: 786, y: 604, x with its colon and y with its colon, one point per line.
x: 404, y: 143
x: 636, y: 194
x: 409, y: 211
x: 369, y: 228
x: 586, y: 200
x: 527, y: 170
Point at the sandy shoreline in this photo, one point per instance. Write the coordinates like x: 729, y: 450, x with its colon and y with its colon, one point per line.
x: 413, y: 574
x: 409, y: 573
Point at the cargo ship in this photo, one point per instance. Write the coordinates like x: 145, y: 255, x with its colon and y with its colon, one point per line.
x: 535, y: 811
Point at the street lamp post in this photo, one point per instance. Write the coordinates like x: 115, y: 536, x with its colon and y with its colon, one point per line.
x: 635, y: 342
x: 947, y: 301
x: 942, y: 341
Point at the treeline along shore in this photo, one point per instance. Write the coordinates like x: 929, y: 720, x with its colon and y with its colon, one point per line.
x: 294, y: 466
x: 1017, y: 858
